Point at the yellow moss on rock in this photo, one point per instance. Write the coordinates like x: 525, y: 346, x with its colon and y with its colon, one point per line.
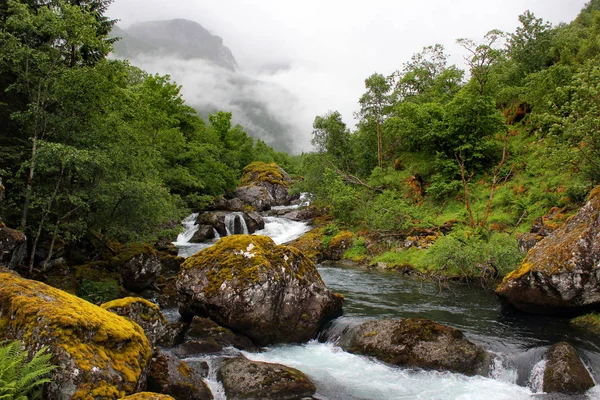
x: 258, y: 172
x: 243, y: 259
x: 102, y: 354
x: 148, y: 396
x: 127, y: 302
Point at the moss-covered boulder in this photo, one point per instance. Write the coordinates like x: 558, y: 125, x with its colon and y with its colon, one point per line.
x: 148, y: 396
x: 338, y: 245
x: 268, y: 292
x: 99, y: 354
x: 264, y: 185
x: 589, y: 322
x: 139, y: 266
x: 417, y: 343
x: 565, y: 373
x: 562, y: 272
x: 169, y: 375
x: 142, y: 312
x: 245, y: 379
x: 13, y: 247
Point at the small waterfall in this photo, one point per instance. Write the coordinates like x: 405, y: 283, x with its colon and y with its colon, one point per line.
x: 217, y: 236
x: 235, y: 224
x: 536, y: 380
x: 189, y: 223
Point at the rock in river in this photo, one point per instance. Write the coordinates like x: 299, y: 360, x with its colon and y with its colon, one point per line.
x: 268, y: 292
x: 565, y: 373
x: 264, y: 185
x: 99, y: 354
x: 562, y: 272
x: 416, y: 343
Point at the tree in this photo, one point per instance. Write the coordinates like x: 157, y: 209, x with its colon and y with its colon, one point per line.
x: 374, y: 105
x: 529, y: 46
x: 330, y: 136
x: 482, y: 57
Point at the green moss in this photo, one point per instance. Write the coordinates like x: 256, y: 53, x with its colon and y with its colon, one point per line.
x: 131, y: 251
x: 590, y: 322
x: 146, y: 310
x: 90, y: 335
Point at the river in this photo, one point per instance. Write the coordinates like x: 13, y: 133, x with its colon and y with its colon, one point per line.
x: 518, y: 339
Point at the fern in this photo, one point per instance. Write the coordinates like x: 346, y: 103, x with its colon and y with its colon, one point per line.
x: 20, y: 378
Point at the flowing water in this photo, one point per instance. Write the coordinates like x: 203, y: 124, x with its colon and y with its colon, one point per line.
x: 519, y: 340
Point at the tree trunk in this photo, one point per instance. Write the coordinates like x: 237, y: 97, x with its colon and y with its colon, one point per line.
x: 494, y: 183
x: 379, y: 146
x: 465, y: 182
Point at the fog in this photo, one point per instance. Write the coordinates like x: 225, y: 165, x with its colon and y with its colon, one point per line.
x: 299, y: 59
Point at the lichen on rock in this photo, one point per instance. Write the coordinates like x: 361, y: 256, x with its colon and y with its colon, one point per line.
x: 562, y: 272
x: 565, y: 373
x: 268, y: 292
x: 264, y: 185
x: 99, y: 354
x: 142, y: 312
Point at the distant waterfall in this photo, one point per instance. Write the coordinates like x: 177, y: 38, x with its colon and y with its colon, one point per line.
x: 189, y: 223
x: 235, y: 224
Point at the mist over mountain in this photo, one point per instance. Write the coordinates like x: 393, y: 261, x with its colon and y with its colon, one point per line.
x: 212, y: 80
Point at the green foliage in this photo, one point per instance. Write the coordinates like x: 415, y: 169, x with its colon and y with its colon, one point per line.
x: 99, y: 292
x: 358, y: 251
x: 21, y: 378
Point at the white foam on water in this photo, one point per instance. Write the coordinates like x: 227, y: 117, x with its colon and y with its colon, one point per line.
x: 536, y: 379
x: 341, y: 375
x: 190, y: 227
x: 283, y: 230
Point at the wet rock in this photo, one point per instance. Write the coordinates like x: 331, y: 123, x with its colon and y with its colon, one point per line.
x: 169, y: 375
x: 565, y: 373
x: 142, y: 312
x: 173, y: 334
x: 245, y: 379
x: 562, y: 272
x: 139, y: 267
x: 417, y: 343
x: 204, y: 233
x: 264, y: 185
x: 235, y: 205
x: 192, y: 348
x: 168, y: 297
x: 13, y: 247
x: 249, y: 284
x: 215, y: 219
x: 254, y: 221
x: 95, y: 350
x: 304, y: 214
x: 204, y: 328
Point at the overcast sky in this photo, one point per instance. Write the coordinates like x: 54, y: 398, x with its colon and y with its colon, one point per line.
x: 321, y: 51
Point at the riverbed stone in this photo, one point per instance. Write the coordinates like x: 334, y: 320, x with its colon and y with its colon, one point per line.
x: 205, y: 328
x: 139, y: 266
x: 13, y: 247
x: 98, y: 354
x: 245, y: 379
x: 170, y: 375
x: 204, y: 233
x: 254, y: 221
x: 142, y: 312
x: 268, y: 292
x: 264, y: 185
x: 562, y: 272
x: 414, y: 342
x: 565, y: 373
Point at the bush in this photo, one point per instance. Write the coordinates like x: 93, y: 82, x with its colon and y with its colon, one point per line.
x: 99, y: 292
x: 21, y: 379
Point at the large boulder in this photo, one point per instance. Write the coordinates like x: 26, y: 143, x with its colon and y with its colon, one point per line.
x: 204, y: 233
x: 99, y: 354
x: 13, y: 247
x: 267, y: 292
x: 254, y: 221
x: 565, y: 373
x: 142, y: 312
x: 245, y: 379
x: 169, y: 375
x: 562, y: 272
x: 139, y: 266
x: 264, y: 185
x: 416, y: 343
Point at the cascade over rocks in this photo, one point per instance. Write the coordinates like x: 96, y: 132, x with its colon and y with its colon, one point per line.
x: 417, y: 343
x: 245, y: 379
x: 565, y: 373
x: 264, y: 185
x: 267, y: 292
x: 562, y: 272
x: 142, y: 312
x: 13, y: 247
x: 99, y: 354
x: 226, y: 223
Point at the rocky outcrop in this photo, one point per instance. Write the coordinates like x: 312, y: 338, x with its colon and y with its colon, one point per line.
x: 565, y: 373
x: 139, y: 266
x: 13, y: 247
x: 245, y: 379
x: 249, y: 284
x: 562, y: 272
x: 542, y: 227
x: 264, y: 185
x: 416, y: 343
x: 142, y: 312
x: 169, y: 375
x: 98, y: 354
